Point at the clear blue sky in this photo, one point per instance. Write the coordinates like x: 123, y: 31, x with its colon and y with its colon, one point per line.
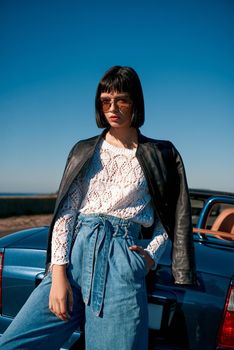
x: 53, y: 54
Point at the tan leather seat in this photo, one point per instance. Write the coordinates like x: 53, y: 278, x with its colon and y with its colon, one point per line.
x: 224, y: 222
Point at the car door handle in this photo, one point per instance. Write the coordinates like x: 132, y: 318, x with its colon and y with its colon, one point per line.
x: 39, y: 277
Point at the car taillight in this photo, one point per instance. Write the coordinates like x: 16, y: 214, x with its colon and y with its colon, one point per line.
x: 226, y: 331
x: 1, y: 269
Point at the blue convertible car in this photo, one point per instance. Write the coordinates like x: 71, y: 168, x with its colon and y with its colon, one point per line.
x: 197, y: 317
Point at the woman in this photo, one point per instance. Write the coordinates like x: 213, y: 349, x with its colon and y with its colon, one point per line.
x: 116, y: 187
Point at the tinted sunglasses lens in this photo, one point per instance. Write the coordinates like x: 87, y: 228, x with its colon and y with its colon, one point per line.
x: 122, y: 103
x: 105, y: 105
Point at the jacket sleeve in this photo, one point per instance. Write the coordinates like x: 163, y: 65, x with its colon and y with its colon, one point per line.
x: 62, y: 182
x: 183, y: 258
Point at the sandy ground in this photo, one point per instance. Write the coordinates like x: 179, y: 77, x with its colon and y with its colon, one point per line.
x: 16, y: 223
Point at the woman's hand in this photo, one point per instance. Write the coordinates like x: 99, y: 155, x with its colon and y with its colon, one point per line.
x: 149, y: 261
x: 61, y: 296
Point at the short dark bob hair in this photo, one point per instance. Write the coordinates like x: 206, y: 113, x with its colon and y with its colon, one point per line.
x: 121, y: 79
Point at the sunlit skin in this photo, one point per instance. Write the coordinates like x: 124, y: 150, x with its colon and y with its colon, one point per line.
x: 116, y: 117
x: 122, y: 135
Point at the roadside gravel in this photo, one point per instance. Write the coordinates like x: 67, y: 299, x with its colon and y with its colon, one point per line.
x: 16, y: 223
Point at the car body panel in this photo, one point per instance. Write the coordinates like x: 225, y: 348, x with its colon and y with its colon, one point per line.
x: 20, y: 280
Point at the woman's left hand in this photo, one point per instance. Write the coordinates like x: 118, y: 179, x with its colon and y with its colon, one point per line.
x: 149, y: 261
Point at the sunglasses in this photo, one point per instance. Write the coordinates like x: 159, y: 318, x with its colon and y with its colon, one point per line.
x: 122, y: 102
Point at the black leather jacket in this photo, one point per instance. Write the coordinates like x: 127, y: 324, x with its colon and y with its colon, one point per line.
x: 165, y: 175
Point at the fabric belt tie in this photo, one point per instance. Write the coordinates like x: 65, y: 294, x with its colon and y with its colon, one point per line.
x: 97, y: 246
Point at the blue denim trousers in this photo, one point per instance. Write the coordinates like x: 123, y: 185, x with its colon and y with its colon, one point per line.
x: 108, y: 283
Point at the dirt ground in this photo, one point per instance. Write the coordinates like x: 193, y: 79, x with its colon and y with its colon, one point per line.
x: 16, y: 223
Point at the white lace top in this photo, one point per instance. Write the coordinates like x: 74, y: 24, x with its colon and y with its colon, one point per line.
x: 114, y: 184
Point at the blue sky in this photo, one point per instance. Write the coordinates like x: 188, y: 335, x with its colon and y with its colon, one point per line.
x: 54, y: 53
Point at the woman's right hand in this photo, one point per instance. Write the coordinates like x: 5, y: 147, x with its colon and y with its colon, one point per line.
x: 61, y: 296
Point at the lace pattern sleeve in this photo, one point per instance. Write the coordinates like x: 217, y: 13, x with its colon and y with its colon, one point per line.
x: 158, y: 244
x: 64, y: 224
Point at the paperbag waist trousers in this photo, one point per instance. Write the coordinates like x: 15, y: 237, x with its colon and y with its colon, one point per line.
x: 108, y: 283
